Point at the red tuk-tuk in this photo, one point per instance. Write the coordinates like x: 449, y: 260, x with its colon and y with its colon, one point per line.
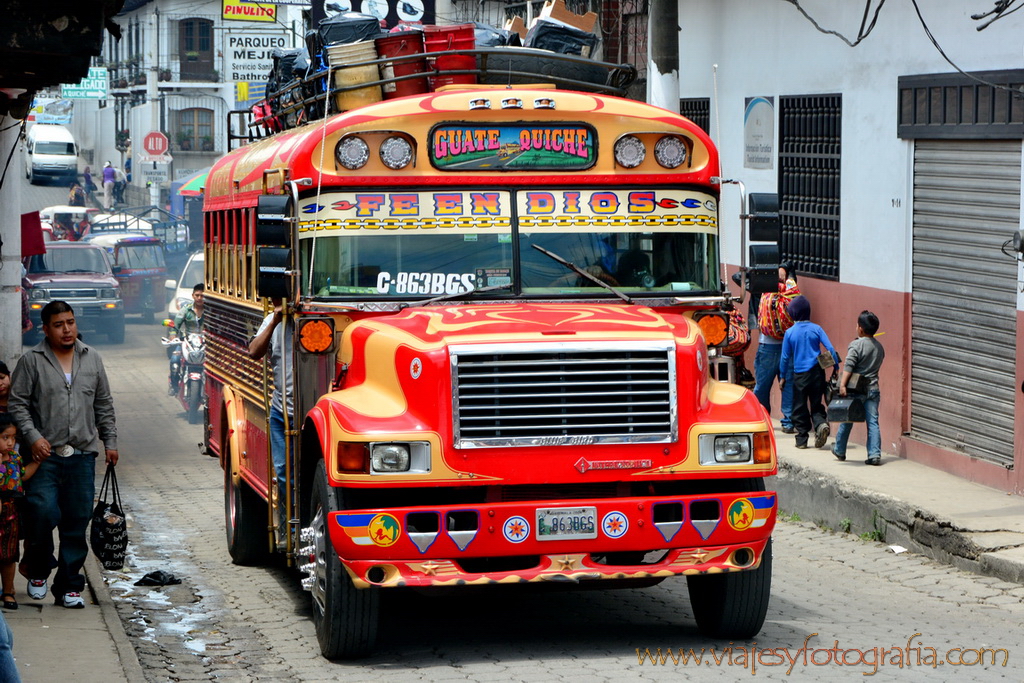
x: 140, y: 269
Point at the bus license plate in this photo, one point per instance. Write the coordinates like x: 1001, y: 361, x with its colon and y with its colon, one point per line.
x: 555, y: 524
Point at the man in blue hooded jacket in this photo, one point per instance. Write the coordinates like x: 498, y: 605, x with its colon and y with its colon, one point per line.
x: 801, y: 347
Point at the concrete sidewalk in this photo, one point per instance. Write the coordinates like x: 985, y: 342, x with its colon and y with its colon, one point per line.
x: 904, y: 503
x: 901, y: 503
x: 88, y: 645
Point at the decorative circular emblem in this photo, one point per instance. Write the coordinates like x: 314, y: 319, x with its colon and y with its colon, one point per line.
x: 416, y: 368
x: 741, y: 514
x: 516, y: 529
x: 384, y: 530
x: 614, y: 524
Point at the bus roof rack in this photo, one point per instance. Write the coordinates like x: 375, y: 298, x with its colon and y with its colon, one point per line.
x: 308, y: 99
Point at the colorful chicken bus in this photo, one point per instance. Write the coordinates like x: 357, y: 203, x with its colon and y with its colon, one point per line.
x: 504, y: 304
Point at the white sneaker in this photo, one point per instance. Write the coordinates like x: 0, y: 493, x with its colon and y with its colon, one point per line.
x: 36, y: 589
x: 71, y: 601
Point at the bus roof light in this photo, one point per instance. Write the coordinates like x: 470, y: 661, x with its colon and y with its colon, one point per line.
x: 543, y: 103
x: 670, y: 151
x: 396, y: 152
x: 352, y: 153
x: 479, y: 103
x: 511, y: 103
x: 629, y: 151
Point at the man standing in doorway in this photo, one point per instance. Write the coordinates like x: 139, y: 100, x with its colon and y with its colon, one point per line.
x: 277, y: 339
x: 61, y: 400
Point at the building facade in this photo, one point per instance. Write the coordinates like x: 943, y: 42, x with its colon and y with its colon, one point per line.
x: 899, y: 186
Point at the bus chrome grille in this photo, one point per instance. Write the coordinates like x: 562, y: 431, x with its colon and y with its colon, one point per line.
x: 563, y: 394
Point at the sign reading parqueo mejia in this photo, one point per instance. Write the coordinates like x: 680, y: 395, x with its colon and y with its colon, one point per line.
x: 248, y: 55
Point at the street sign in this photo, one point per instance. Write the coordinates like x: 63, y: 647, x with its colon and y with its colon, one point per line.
x: 155, y: 143
x: 153, y: 173
x: 92, y: 87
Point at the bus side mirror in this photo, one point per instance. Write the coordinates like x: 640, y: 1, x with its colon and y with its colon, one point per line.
x: 763, y: 273
x: 274, y: 275
x: 765, y: 224
x: 273, y: 220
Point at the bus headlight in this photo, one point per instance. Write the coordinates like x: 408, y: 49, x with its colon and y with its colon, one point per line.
x: 389, y: 457
x: 396, y: 152
x: 629, y: 151
x: 724, y: 448
x: 670, y: 151
x: 394, y: 457
x: 352, y: 153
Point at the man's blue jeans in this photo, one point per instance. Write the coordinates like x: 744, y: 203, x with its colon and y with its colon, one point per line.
x: 278, y: 454
x: 766, y: 369
x: 59, y: 495
x: 8, y: 670
x: 871, y: 419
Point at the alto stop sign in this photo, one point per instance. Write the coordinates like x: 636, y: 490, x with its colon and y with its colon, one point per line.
x: 155, y: 143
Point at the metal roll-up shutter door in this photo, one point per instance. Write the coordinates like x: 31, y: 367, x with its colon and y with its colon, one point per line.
x: 966, y: 205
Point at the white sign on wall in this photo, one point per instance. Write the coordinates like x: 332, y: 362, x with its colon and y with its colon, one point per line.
x: 759, y: 132
x: 248, y: 55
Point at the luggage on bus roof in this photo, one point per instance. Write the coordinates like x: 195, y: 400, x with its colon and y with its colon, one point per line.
x: 349, y: 27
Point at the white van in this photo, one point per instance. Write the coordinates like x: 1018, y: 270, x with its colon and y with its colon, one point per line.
x: 180, y: 291
x: 50, y: 152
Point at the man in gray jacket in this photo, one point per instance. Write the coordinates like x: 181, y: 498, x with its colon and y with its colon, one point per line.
x: 61, y: 401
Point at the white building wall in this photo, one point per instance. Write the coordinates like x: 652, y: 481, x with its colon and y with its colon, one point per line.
x: 767, y: 48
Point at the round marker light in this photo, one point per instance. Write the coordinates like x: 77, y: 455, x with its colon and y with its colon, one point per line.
x: 629, y: 152
x: 396, y: 152
x: 670, y: 152
x: 316, y: 336
x: 714, y: 328
x: 352, y: 153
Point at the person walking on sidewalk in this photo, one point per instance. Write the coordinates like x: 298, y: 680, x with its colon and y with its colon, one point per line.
x: 864, y: 356
x: 109, y: 176
x: 801, y: 348
x: 61, y: 401
x: 773, y: 321
x: 12, y: 474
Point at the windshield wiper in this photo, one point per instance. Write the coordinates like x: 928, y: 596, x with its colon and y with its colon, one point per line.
x: 456, y: 295
x: 82, y: 270
x: 579, y: 271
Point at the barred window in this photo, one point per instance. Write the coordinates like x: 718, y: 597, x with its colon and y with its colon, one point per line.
x: 810, y: 137
x: 698, y: 110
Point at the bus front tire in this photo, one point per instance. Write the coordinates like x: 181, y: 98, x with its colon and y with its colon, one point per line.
x: 345, y: 617
x: 733, y: 605
x: 245, y: 517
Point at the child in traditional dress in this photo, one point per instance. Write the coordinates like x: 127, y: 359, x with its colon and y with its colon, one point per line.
x: 12, y: 473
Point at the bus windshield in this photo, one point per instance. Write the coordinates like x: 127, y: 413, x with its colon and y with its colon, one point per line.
x: 396, y: 245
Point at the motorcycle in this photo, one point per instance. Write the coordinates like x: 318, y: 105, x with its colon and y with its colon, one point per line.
x: 188, y: 356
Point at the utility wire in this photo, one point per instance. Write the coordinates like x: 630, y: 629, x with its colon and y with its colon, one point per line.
x: 864, y: 30
x: 1001, y: 9
x: 1013, y: 91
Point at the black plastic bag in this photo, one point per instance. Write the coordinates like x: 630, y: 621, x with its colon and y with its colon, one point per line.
x: 109, y: 533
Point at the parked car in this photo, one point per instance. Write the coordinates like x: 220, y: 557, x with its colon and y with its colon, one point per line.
x: 180, y: 291
x: 80, y: 274
x: 140, y: 269
x: 50, y: 152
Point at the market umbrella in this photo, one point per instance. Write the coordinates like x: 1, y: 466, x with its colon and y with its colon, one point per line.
x: 192, y: 186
